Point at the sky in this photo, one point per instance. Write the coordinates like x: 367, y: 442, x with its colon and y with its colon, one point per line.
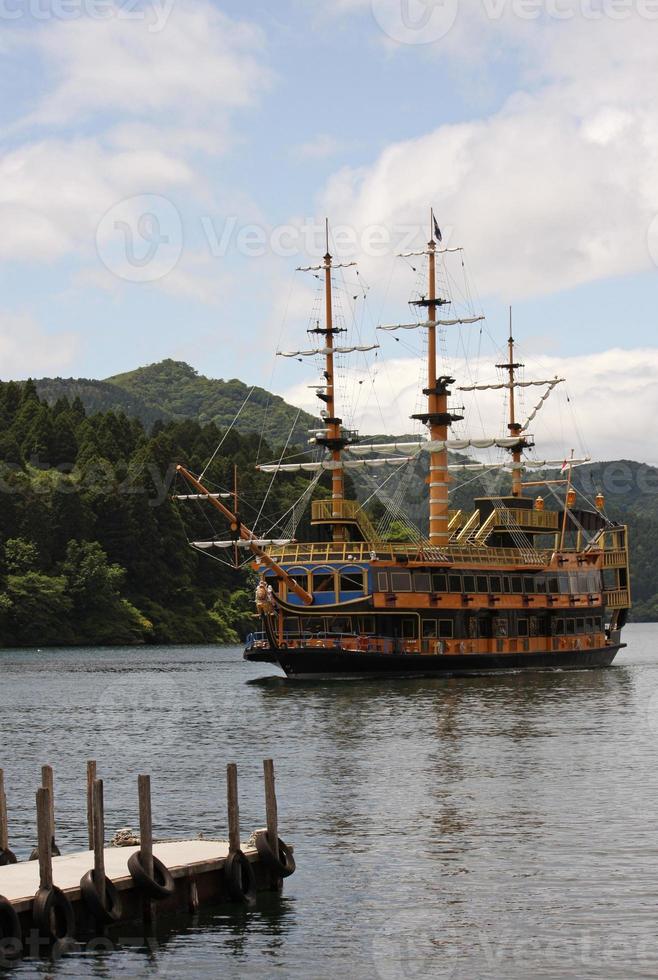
x: 166, y: 166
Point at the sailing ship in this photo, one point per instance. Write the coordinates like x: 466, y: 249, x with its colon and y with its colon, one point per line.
x: 511, y: 584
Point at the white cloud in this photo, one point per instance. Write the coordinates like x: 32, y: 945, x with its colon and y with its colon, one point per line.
x: 28, y: 351
x: 555, y: 189
x: 611, y: 415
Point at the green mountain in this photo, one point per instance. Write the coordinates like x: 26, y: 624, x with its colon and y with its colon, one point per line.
x: 172, y: 391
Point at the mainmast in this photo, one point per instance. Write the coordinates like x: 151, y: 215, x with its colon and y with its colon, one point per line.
x: 334, y: 441
x: 437, y: 418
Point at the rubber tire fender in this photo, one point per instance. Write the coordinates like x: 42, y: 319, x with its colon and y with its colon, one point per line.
x: 7, y: 857
x: 53, y: 915
x: 157, y: 888
x: 10, y: 931
x: 240, y: 878
x: 103, y: 913
x: 285, y: 865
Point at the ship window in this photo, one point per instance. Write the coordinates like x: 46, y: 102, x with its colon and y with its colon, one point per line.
x: 517, y: 585
x: 565, y: 587
x: 422, y: 582
x: 409, y: 629
x: 455, y: 583
x: 540, y: 585
x: 323, y: 580
x: 367, y: 624
x: 400, y: 582
x: 599, y: 623
x: 529, y: 585
x: 350, y: 580
x: 583, y: 582
x: 440, y: 583
x: 382, y: 582
x: 571, y: 626
x: 559, y: 627
x: 469, y: 583
x: 523, y: 629
x: 340, y: 624
x: 301, y: 578
x: 483, y: 583
x: 500, y: 626
x: 580, y: 625
x: 553, y: 585
x: 429, y: 629
x: 495, y: 583
x: 589, y: 624
x: 507, y: 584
x: 446, y: 629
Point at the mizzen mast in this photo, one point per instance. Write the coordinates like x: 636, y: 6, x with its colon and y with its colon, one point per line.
x: 515, y: 427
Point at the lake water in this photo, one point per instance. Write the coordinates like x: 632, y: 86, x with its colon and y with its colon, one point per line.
x: 495, y: 827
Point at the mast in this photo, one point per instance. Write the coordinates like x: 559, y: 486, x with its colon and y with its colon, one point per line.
x: 515, y: 427
x: 335, y: 441
x: 438, y: 418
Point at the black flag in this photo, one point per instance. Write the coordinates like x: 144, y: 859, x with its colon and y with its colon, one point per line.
x: 437, y: 230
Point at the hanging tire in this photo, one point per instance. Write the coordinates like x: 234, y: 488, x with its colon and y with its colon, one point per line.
x: 104, y: 911
x: 7, y: 857
x: 54, y: 851
x: 240, y: 878
x: 157, y: 888
x: 11, y: 933
x: 284, y: 865
x: 54, y: 917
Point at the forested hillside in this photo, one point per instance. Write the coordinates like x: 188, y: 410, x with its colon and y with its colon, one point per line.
x: 174, y: 390
x: 92, y: 547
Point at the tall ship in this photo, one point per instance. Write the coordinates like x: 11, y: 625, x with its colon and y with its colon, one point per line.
x: 516, y: 582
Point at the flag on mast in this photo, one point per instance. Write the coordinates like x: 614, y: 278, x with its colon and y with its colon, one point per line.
x: 437, y: 230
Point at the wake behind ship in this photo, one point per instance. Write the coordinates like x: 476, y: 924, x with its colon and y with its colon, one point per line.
x: 511, y: 584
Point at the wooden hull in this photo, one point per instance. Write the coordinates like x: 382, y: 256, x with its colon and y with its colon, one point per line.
x: 306, y: 664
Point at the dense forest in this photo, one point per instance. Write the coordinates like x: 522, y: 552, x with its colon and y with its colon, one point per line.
x: 93, y: 549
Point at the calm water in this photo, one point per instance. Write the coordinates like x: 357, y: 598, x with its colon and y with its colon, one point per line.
x: 492, y: 827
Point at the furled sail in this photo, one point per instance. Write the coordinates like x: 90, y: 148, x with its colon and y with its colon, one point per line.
x: 351, y: 464
x: 258, y: 542
x: 204, y: 496
x: 432, y: 323
x: 326, y: 350
x: 517, y: 384
x: 456, y: 445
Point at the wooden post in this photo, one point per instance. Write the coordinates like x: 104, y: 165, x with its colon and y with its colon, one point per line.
x: 4, y: 826
x: 233, y: 807
x: 99, y: 838
x: 91, y: 778
x: 146, y: 842
x: 48, y: 782
x: 271, y: 809
x: 44, y: 837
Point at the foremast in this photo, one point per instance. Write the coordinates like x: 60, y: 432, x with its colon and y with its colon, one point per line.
x: 515, y: 427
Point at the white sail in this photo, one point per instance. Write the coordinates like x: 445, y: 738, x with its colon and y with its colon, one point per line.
x: 455, y: 445
x: 204, y: 496
x: 326, y: 350
x: 330, y: 465
x: 431, y: 323
x: 517, y: 384
x: 258, y: 542
x: 528, y: 464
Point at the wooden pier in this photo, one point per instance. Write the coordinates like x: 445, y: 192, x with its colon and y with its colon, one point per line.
x: 52, y: 901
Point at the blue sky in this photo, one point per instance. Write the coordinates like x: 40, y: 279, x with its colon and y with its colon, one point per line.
x: 535, y: 137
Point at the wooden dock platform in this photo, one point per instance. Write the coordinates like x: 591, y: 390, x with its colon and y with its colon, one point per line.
x: 50, y: 902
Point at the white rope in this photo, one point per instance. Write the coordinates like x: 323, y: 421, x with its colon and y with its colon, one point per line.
x: 214, y: 455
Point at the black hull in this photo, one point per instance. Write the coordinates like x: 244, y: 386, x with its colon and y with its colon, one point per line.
x: 316, y: 663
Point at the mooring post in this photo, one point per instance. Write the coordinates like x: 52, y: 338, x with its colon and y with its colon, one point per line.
x: 91, y: 779
x: 146, y: 842
x: 271, y: 809
x: 44, y: 838
x: 4, y: 825
x: 48, y: 782
x: 99, y: 839
x: 233, y: 807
